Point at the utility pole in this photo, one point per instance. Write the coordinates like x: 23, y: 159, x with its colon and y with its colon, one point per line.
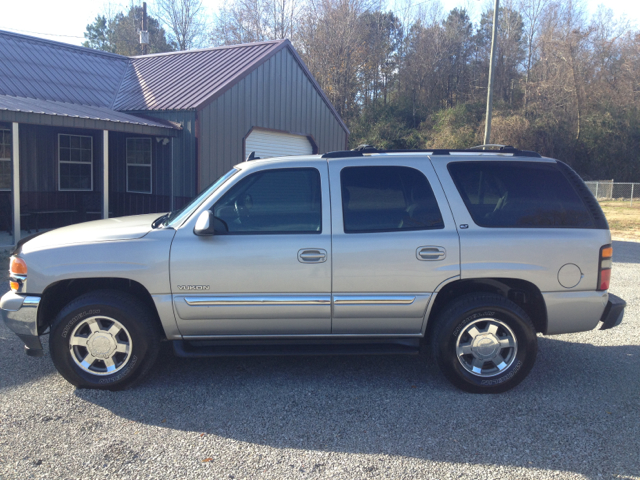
x: 494, y: 40
x: 144, y: 33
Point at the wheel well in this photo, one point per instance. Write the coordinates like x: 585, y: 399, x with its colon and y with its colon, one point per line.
x: 524, y: 294
x: 59, y: 294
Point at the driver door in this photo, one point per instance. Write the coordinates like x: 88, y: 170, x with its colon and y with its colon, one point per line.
x: 267, y: 268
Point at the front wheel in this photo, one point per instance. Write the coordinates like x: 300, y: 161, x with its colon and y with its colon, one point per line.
x: 484, y: 343
x: 104, y: 340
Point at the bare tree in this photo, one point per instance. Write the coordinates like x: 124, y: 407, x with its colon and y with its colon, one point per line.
x: 246, y: 21
x: 185, y: 21
x: 531, y: 11
x: 332, y: 45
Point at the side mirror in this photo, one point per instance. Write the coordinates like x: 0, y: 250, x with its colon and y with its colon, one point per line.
x: 204, y: 224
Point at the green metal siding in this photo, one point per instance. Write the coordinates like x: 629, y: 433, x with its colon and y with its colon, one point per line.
x: 184, y: 152
x: 277, y: 95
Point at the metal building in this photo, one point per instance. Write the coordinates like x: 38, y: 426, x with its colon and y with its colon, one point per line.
x: 86, y: 134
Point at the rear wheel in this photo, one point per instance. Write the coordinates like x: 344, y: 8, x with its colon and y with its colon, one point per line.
x: 484, y: 343
x: 105, y: 340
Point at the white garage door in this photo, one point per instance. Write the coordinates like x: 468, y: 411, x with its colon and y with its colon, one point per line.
x: 276, y: 144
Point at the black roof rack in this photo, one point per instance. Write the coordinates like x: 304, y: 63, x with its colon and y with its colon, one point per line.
x: 362, y: 149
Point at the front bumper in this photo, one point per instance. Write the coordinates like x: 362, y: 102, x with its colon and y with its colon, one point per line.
x: 20, y: 313
x: 613, y: 312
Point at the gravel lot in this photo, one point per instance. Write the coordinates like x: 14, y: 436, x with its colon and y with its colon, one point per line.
x: 576, y: 416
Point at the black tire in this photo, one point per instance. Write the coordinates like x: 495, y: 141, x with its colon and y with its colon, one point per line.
x: 90, y: 317
x: 467, y: 325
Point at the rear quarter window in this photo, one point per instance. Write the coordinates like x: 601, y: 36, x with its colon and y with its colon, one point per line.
x: 519, y: 195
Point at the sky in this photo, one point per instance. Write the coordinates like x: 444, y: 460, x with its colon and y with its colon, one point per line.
x: 66, y: 20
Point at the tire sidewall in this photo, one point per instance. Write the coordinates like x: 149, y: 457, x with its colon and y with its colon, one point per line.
x: 60, y: 336
x: 513, y: 375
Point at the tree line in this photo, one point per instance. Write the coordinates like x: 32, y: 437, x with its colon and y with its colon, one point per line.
x: 567, y: 84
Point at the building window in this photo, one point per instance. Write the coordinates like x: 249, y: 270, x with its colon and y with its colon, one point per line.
x: 75, y: 165
x: 139, y: 165
x: 5, y: 160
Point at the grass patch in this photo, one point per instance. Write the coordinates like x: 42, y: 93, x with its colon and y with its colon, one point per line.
x: 624, y: 219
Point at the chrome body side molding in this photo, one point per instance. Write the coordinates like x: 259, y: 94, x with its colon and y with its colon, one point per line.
x: 373, y: 299
x: 259, y: 301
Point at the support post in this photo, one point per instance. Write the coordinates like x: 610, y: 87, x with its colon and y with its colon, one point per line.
x: 15, y: 156
x: 105, y: 174
x: 173, y: 207
x: 494, y: 40
x: 631, y: 202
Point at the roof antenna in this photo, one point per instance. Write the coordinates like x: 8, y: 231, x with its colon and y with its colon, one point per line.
x: 251, y: 156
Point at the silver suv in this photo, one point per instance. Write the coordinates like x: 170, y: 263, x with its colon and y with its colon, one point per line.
x: 467, y: 253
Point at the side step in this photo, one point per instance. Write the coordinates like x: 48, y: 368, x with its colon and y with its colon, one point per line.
x: 197, y: 349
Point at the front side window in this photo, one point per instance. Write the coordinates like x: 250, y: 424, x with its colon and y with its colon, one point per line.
x: 139, y: 165
x: 5, y: 160
x: 75, y: 165
x: 519, y: 195
x: 387, y: 199
x: 283, y: 201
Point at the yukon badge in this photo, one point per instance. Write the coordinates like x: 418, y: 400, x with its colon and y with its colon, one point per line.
x: 193, y: 287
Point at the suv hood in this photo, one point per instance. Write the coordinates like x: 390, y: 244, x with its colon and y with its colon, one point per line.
x: 112, y: 229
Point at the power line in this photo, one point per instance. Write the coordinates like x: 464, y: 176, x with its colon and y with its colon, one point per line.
x: 39, y: 33
x: 412, y: 6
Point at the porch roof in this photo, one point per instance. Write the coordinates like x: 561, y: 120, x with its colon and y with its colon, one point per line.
x: 62, y: 114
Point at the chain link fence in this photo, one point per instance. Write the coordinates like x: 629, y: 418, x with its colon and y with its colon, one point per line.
x: 609, y: 190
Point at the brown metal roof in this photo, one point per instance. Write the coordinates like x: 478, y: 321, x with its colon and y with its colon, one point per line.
x: 41, y: 69
x: 185, y: 80
x: 192, y: 79
x: 61, y: 109
x: 36, y: 68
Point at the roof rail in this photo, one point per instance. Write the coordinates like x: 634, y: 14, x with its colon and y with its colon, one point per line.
x: 342, y: 153
x: 362, y: 149
x: 490, y: 145
x: 356, y: 152
x: 366, y: 149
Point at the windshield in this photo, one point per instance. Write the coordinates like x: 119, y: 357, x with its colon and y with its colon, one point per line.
x: 177, y: 217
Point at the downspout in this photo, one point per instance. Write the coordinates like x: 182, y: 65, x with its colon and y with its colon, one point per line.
x: 172, y: 206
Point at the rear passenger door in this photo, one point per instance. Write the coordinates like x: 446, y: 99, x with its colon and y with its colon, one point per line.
x: 393, y: 242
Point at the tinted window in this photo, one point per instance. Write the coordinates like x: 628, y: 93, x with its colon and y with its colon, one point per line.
x: 272, y: 201
x: 519, y: 194
x: 382, y: 199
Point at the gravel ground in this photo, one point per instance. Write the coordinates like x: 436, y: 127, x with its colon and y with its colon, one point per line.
x: 576, y: 416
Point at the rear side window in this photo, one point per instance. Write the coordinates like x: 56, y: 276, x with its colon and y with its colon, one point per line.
x: 519, y: 195
x: 387, y: 199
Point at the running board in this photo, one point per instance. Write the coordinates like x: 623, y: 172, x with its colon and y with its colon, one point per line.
x: 182, y: 348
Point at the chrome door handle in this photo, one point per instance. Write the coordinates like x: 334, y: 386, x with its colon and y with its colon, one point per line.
x: 312, y: 255
x: 431, y: 253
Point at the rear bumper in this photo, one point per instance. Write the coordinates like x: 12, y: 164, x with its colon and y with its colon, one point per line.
x: 20, y: 313
x: 613, y: 312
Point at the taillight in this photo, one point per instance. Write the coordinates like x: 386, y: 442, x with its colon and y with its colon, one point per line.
x: 17, y: 273
x: 604, y: 269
